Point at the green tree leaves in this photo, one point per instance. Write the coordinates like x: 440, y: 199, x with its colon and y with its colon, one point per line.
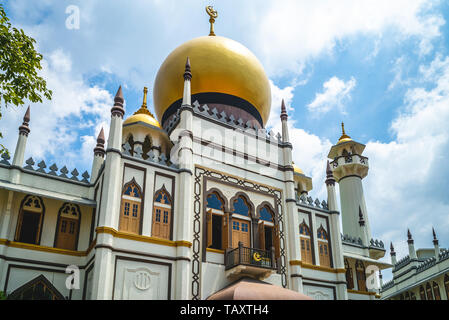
x: 19, y: 65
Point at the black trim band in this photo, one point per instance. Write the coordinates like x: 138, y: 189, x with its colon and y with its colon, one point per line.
x: 216, y: 97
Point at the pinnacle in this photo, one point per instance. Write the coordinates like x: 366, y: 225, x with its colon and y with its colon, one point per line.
x: 100, y: 138
x: 26, y: 117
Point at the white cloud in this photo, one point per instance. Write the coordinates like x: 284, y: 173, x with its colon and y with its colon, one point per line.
x: 306, y: 29
x: 407, y: 182
x: 335, y: 93
x: 56, y: 125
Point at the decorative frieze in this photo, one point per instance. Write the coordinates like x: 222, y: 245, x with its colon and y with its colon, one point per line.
x: 41, y: 168
x: 151, y: 156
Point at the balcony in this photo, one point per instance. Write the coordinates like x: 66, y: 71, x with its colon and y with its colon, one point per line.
x: 243, y: 261
x: 351, y: 164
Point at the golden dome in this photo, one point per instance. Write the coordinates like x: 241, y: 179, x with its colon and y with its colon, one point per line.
x: 143, y: 114
x: 344, y: 137
x: 219, y: 65
x: 141, y: 117
x: 296, y: 169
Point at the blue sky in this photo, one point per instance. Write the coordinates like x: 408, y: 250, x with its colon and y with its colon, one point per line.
x: 382, y: 67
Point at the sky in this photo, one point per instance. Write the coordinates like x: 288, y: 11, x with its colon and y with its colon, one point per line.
x: 380, y: 66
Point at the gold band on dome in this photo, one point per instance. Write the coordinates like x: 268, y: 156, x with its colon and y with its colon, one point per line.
x: 218, y: 65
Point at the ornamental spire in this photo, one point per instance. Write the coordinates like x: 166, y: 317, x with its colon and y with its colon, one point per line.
x: 99, y: 149
x: 187, y: 71
x: 435, y: 239
x: 343, y: 133
x: 213, y: 14
x: 24, y: 129
x: 361, y: 220
x: 330, y: 180
x: 409, y: 237
x: 117, y: 109
x: 143, y: 109
x: 392, y: 249
x: 284, y: 115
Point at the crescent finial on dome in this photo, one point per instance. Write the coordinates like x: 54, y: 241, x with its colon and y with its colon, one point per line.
x: 213, y: 14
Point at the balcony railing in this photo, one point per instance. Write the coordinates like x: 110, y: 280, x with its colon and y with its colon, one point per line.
x: 349, y: 159
x: 249, y: 257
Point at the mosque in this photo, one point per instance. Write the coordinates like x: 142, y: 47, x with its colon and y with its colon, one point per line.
x: 198, y: 202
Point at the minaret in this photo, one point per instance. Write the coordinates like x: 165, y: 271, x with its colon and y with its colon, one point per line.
x: 19, y: 153
x: 335, y: 229
x: 436, y: 245
x: 294, y: 252
x: 349, y: 167
x: 99, y: 154
x: 110, y: 209
x: 411, y: 246
x: 284, y: 118
x: 185, y: 189
x: 392, y: 254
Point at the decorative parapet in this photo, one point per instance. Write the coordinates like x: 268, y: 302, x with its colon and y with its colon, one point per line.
x: 401, y: 263
x: 376, y: 244
x: 53, y: 171
x: 352, y: 158
x: 352, y: 240
x: 387, y: 285
x: 169, y: 125
x: 150, y: 156
x: 225, y: 118
x: 308, y: 201
x: 444, y: 255
x: 428, y: 263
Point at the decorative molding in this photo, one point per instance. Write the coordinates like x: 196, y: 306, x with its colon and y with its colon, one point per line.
x: 215, y: 250
x: 314, y: 267
x: 366, y: 293
x: 199, y: 184
x: 135, y: 237
x: 36, y: 247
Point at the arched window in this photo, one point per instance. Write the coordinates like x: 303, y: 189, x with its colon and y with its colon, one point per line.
x: 162, y: 214
x: 130, y: 212
x: 31, y: 216
x: 422, y: 293
x: 146, y: 147
x: 436, y: 291
x: 241, y: 222
x: 306, y: 243
x: 324, y: 249
x: 67, y: 227
x: 241, y: 206
x: 446, y: 285
x: 217, y: 237
x: 361, y: 275
x: 266, y: 228
x: 349, y: 276
x: 429, y: 291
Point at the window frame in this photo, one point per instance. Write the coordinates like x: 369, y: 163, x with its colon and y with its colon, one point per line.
x: 59, y: 220
x: 163, y: 207
x: 20, y: 218
x: 128, y: 199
